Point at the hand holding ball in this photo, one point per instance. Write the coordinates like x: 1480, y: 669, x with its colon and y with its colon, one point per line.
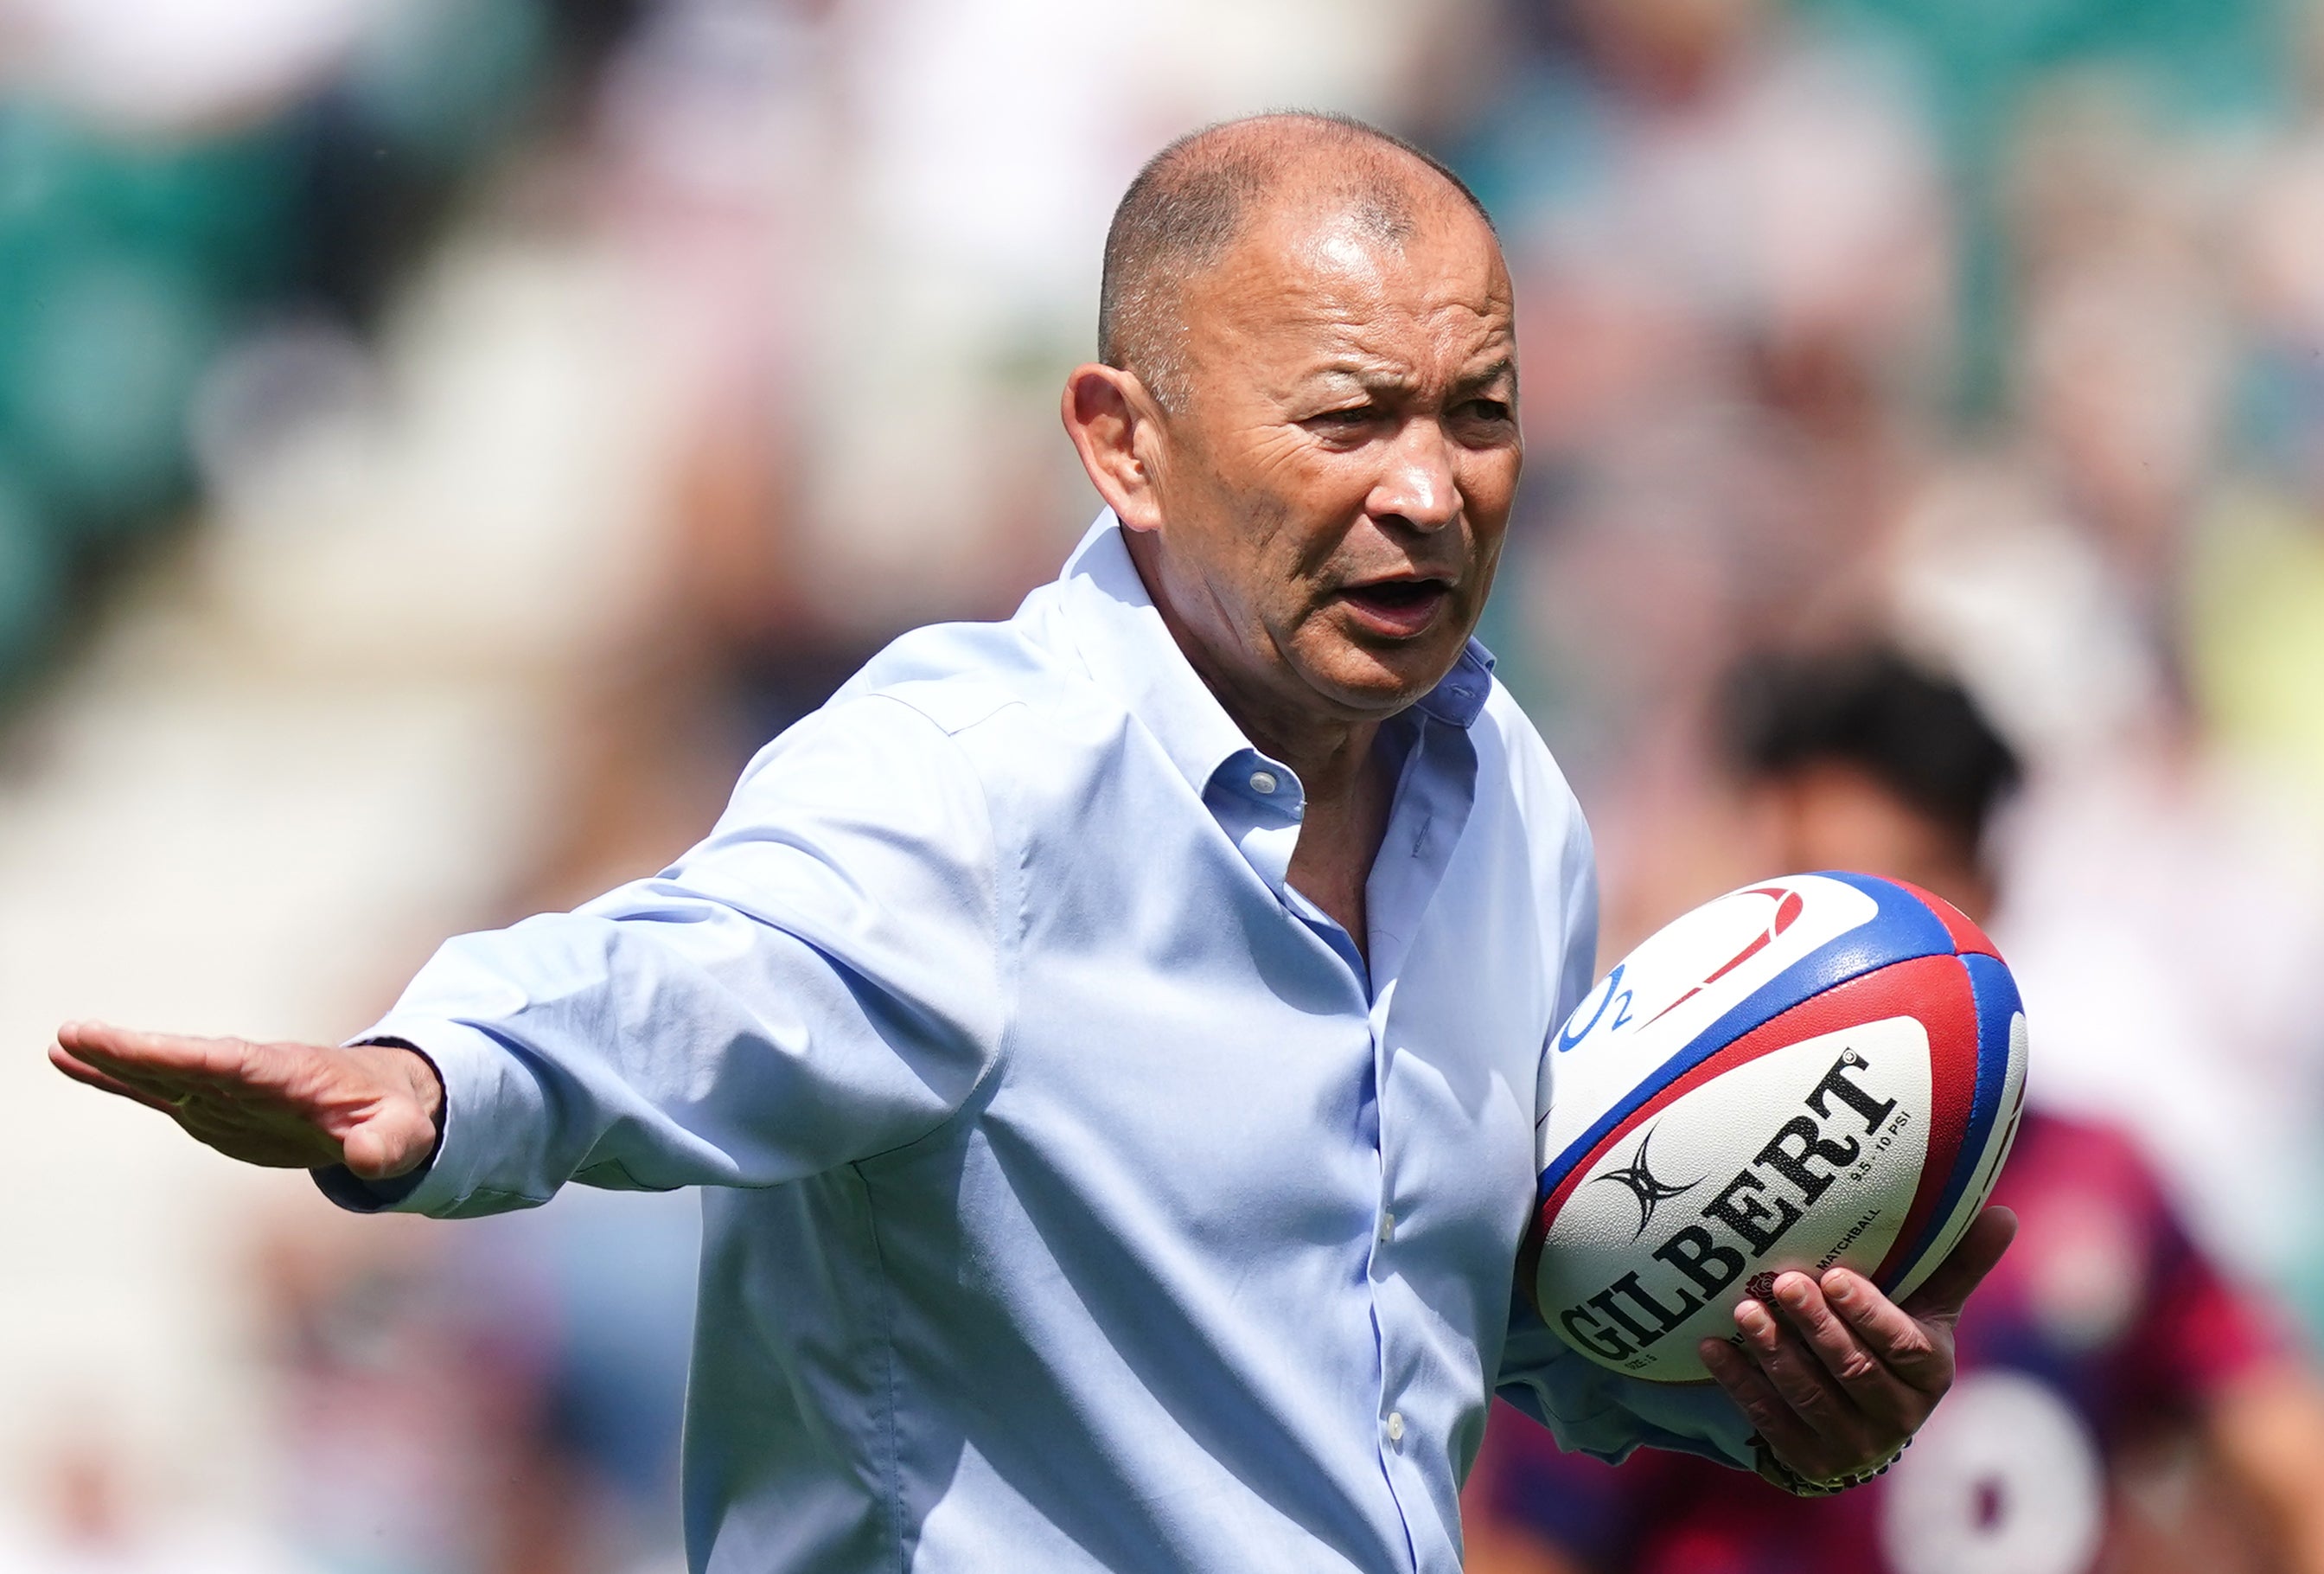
x: 1816, y: 1071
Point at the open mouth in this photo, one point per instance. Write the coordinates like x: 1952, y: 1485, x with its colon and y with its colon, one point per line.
x: 1397, y: 607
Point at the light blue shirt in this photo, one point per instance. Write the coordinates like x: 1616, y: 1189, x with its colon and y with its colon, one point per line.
x: 1078, y: 1198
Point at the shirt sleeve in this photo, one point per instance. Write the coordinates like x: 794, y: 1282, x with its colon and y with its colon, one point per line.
x: 819, y: 981
x: 1606, y: 1415
x: 1589, y: 1409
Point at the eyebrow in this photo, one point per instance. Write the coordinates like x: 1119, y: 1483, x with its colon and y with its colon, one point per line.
x: 1505, y: 366
x: 1375, y: 380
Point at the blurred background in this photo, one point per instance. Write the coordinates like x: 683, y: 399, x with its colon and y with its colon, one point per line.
x: 440, y: 440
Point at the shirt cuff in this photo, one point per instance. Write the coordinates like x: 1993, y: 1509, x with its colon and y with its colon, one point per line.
x: 473, y: 1069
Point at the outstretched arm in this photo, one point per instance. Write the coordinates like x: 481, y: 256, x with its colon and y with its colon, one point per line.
x: 820, y: 979
x: 1836, y: 1377
x: 372, y: 1107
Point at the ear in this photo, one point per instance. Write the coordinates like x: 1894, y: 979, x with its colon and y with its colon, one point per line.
x: 1117, y: 429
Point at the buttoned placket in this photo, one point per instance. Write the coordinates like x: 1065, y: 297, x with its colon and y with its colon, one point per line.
x: 1435, y: 786
x: 1261, y: 805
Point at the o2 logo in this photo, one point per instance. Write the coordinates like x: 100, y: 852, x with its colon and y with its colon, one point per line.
x: 1612, y: 995
x: 1609, y: 994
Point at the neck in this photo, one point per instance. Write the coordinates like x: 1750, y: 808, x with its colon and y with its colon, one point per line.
x: 1346, y: 783
x: 1328, y: 753
x: 1329, y: 762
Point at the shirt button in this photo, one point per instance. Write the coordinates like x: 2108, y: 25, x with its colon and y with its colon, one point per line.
x: 1263, y: 782
x: 1388, y: 1228
x: 1395, y: 1426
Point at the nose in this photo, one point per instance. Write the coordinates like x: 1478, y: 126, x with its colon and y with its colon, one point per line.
x: 1416, y: 484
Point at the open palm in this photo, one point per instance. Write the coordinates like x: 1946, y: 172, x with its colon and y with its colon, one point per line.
x: 372, y: 1107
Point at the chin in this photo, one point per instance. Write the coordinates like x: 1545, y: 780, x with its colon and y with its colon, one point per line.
x: 1378, y: 683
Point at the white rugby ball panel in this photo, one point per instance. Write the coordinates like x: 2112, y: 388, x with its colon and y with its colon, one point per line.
x: 1810, y: 1152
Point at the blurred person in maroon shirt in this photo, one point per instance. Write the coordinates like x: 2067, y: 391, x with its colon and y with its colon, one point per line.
x: 2106, y: 1358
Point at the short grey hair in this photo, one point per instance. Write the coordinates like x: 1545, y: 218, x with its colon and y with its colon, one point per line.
x: 1187, y: 206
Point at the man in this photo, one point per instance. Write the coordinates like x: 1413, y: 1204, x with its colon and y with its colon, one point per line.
x: 1110, y: 1037
x: 2106, y: 1336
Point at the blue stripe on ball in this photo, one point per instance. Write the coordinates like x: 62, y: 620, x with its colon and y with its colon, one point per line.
x: 1996, y: 993
x: 1902, y: 929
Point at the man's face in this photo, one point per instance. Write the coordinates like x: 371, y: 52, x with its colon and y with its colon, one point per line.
x: 1334, y: 491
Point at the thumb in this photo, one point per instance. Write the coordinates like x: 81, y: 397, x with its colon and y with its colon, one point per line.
x: 394, y: 1141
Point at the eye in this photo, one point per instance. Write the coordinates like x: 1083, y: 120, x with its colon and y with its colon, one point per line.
x: 1351, y: 426
x: 1492, y: 410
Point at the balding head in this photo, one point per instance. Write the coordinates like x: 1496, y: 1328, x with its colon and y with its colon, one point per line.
x: 1306, y: 420
x: 1191, y: 203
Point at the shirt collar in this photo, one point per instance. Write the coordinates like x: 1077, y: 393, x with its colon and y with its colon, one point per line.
x: 1130, y: 653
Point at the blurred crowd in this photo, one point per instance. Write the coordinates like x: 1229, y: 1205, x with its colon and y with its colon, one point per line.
x: 671, y: 355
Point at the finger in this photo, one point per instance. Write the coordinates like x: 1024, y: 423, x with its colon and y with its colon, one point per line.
x: 168, y: 1086
x: 153, y: 1051
x: 1979, y: 1248
x: 222, y: 1066
x: 81, y: 1071
x: 1909, y: 1349
x: 1775, y: 1422
x: 1860, y: 1370
x: 1800, y: 1379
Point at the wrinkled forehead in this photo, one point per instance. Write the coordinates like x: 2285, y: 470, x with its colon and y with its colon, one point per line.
x: 1311, y: 276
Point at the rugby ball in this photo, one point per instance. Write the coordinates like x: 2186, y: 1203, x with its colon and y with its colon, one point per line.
x: 1815, y: 1070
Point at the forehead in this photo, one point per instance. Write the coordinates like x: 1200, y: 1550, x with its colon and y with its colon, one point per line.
x: 1329, y: 281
